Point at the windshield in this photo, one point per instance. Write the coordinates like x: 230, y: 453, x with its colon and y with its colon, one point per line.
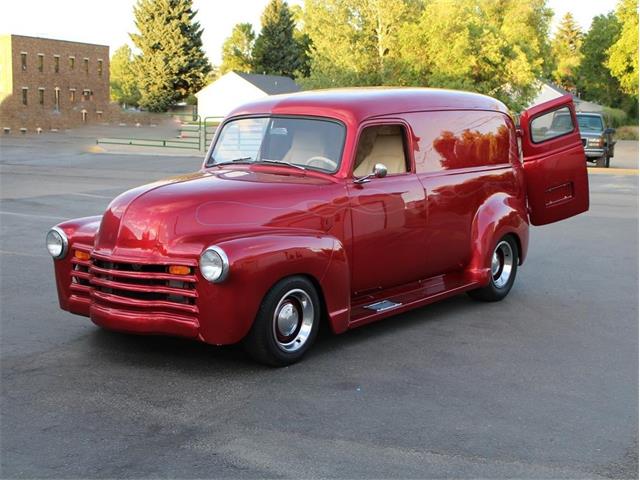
x: 590, y: 123
x: 301, y: 142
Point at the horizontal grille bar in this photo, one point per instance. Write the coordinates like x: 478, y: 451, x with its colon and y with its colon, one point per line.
x: 141, y: 275
x: 144, y: 288
x: 142, y: 304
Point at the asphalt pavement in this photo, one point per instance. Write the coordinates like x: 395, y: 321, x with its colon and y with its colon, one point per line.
x: 541, y: 385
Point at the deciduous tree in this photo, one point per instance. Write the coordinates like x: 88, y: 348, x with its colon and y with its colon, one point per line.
x: 236, y: 50
x: 595, y: 82
x: 124, y: 88
x: 172, y: 63
x: 623, y: 54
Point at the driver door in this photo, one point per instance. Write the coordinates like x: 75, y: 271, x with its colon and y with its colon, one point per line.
x: 554, y: 162
x: 388, y: 214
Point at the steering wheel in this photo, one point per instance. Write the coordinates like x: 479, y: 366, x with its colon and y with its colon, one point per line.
x: 322, y: 162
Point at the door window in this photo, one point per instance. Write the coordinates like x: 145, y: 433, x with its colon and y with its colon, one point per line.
x: 381, y: 144
x: 552, y: 124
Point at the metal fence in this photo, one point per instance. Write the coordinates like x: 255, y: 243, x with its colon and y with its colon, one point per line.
x: 193, y: 133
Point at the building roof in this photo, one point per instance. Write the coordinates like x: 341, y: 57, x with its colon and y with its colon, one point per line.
x: 270, y: 84
x: 46, y: 39
x: 356, y: 104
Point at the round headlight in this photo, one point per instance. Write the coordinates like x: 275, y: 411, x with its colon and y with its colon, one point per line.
x: 214, y: 264
x: 57, y: 243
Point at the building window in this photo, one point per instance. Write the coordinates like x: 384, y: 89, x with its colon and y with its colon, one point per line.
x: 56, y: 97
x: 41, y: 96
x: 25, y: 94
x: 56, y: 63
x: 86, y: 94
x: 72, y: 95
x: 23, y: 60
x: 86, y: 65
x: 72, y: 63
x: 41, y: 62
x: 100, y: 67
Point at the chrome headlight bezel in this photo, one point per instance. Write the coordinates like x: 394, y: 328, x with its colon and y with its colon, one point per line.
x: 216, y: 253
x: 63, y: 240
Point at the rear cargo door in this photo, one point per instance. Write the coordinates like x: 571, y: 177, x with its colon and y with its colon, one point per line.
x: 554, y: 161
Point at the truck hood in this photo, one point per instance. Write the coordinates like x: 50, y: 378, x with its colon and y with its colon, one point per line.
x: 180, y: 215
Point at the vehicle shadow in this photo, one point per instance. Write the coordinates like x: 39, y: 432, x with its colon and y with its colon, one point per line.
x: 195, y: 358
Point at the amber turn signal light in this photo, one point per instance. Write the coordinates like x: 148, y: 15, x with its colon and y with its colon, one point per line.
x: 80, y: 255
x: 179, y: 270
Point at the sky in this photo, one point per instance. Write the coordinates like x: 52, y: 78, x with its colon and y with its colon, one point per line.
x: 108, y: 22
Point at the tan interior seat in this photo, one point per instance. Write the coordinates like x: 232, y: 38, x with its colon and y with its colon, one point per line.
x: 387, y: 149
x: 305, y: 144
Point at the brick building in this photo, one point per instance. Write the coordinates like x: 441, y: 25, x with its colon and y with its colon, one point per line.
x: 51, y: 84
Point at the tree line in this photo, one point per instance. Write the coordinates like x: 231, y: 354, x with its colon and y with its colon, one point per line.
x: 501, y: 48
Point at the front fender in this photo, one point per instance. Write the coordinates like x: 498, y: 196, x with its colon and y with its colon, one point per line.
x: 80, y: 232
x: 256, y: 263
x: 501, y: 214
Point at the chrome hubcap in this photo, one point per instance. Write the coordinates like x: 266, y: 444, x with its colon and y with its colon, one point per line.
x: 293, y: 320
x: 502, y: 264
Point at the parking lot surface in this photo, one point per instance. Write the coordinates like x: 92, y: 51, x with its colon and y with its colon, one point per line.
x: 543, y: 384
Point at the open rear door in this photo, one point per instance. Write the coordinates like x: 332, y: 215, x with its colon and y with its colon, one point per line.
x: 554, y: 161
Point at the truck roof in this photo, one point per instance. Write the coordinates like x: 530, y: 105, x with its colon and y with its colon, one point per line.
x: 357, y: 104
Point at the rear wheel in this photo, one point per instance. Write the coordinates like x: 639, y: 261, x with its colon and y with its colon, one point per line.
x: 287, y: 323
x: 504, y: 265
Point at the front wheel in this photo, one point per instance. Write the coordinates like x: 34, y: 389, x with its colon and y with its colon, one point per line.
x: 504, y: 265
x: 286, y: 324
x: 602, y: 161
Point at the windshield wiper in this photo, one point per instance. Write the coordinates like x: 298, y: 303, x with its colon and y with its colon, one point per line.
x: 280, y: 162
x: 235, y: 160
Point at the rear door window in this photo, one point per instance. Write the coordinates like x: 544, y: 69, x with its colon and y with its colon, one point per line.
x: 551, y: 125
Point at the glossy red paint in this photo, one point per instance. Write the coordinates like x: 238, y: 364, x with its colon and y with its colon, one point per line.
x: 413, y: 237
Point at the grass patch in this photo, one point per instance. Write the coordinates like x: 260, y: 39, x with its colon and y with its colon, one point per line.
x: 627, y: 132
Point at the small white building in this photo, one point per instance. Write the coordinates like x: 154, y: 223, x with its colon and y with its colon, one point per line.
x: 548, y: 91
x: 235, y: 88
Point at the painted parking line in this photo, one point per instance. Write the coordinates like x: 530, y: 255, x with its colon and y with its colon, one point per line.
x: 613, y: 171
x: 90, y: 195
x: 30, y: 215
x: 21, y: 254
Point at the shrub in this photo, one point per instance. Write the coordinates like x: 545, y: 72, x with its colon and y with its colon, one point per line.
x: 627, y: 132
x: 615, y: 117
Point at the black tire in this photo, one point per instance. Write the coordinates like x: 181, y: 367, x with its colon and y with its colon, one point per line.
x: 297, y: 301
x: 497, y: 290
x: 607, y: 162
x: 602, y: 161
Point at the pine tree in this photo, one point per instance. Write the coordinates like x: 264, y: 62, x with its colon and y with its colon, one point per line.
x: 566, y: 46
x: 236, y: 49
x: 124, y: 88
x: 276, y: 51
x: 172, y: 63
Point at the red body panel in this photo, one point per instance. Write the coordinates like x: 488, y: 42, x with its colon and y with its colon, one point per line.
x: 418, y: 237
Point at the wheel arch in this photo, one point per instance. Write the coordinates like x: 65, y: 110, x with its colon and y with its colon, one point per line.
x: 257, y: 264
x: 500, y: 215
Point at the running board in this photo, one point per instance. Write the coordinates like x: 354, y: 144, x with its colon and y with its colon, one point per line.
x: 382, y: 306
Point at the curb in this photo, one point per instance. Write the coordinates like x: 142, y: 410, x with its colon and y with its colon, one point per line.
x: 612, y: 171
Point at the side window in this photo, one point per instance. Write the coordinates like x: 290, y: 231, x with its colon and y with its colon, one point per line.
x: 381, y: 144
x: 551, y: 125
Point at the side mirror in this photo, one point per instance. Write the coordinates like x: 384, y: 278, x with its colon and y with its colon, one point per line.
x: 609, y: 131
x: 379, y: 171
